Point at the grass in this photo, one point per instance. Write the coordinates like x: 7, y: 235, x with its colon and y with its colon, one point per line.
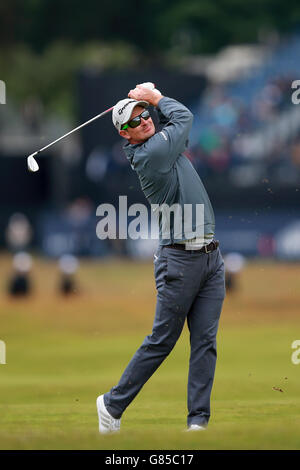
x: 62, y: 353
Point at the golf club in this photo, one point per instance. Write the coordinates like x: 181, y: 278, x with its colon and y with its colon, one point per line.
x: 32, y: 163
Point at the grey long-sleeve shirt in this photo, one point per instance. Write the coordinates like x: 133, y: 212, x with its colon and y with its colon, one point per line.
x: 168, y: 178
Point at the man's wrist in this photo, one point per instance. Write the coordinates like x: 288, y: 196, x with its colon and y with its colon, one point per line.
x: 156, y: 99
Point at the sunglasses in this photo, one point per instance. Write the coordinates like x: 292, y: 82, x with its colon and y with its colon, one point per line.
x: 136, y: 121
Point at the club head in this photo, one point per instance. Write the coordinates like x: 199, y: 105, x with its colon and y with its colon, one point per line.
x: 32, y: 164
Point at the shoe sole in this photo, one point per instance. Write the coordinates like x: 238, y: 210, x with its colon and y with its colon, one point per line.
x: 195, y: 430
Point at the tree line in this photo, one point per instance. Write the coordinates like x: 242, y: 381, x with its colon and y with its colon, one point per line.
x: 154, y: 26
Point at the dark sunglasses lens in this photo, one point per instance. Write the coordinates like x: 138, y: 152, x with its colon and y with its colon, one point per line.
x: 135, y: 122
x: 145, y: 115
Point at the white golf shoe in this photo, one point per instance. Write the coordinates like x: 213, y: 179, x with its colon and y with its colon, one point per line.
x: 196, y: 427
x: 107, y: 423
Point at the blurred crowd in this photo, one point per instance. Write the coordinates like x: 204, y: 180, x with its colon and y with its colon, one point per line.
x: 19, y: 235
x: 249, y: 128
x: 244, y: 129
x: 224, y: 139
x: 218, y: 142
x: 215, y: 142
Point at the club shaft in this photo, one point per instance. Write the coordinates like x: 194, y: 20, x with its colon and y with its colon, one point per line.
x: 74, y: 130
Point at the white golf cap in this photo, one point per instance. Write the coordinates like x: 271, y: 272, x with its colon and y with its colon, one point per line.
x: 123, y: 109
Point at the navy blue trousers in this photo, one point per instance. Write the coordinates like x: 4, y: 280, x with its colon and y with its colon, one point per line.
x: 190, y: 286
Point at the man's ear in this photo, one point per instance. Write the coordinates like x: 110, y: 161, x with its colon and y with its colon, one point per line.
x: 124, y: 134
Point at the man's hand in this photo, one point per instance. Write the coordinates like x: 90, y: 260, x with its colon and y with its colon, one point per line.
x: 145, y: 94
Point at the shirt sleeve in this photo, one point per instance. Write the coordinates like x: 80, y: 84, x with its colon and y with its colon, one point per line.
x: 165, y: 146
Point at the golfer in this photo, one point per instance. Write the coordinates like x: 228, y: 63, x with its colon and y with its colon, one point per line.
x: 189, y: 271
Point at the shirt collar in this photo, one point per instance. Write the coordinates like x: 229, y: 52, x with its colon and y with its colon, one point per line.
x: 129, y: 150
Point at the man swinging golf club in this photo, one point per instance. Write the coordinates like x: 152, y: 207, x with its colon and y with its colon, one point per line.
x: 189, y: 272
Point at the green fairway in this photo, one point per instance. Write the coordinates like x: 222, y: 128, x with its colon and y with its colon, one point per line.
x: 63, y: 353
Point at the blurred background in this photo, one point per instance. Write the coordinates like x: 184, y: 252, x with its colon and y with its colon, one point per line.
x: 232, y: 64
x: 61, y: 63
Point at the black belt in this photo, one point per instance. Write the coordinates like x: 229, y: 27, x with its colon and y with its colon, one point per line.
x: 205, y: 249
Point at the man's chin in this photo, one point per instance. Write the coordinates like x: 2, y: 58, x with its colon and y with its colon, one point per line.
x: 146, y: 135
x: 150, y: 132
